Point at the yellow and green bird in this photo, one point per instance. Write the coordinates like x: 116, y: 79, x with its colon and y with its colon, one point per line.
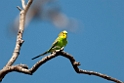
x: 58, y: 44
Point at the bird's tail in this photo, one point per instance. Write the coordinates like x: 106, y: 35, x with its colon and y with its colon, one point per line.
x: 40, y: 55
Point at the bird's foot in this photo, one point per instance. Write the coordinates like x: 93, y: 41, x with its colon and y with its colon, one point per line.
x: 62, y: 49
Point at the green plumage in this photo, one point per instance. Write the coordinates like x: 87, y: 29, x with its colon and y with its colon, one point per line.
x: 58, y: 44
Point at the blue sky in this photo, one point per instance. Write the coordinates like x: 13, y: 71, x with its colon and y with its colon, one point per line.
x: 97, y: 43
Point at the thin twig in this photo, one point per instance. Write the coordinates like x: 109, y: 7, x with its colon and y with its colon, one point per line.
x: 19, y: 8
x: 23, y: 4
x: 28, y: 5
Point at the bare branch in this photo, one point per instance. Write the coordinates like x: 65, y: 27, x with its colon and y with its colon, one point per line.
x: 28, y: 4
x: 75, y: 66
x: 19, y: 40
x: 23, y: 4
x: 19, y: 8
x: 24, y: 69
x: 18, y: 68
x: 42, y: 61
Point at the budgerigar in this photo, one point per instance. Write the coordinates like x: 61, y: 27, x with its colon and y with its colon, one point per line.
x: 58, y: 44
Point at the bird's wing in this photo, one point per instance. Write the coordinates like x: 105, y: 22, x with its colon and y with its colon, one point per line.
x: 53, y: 45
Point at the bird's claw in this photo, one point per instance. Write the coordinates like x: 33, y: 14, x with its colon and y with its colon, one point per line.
x: 62, y: 49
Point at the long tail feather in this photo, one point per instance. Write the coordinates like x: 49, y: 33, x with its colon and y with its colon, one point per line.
x: 40, y: 55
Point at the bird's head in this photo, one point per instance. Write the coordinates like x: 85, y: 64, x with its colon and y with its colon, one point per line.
x: 63, y: 34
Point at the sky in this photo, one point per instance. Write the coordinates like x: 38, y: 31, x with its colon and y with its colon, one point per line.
x: 97, y: 42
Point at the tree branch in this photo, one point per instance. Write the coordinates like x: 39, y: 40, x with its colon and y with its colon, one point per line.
x: 24, y: 69
x: 74, y: 64
x: 42, y: 61
x: 19, y: 8
x: 28, y: 5
x: 19, y: 40
x: 23, y: 4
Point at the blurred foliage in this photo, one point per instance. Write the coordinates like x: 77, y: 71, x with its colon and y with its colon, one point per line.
x: 46, y: 10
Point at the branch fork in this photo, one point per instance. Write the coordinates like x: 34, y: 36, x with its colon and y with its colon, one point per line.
x: 9, y: 66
